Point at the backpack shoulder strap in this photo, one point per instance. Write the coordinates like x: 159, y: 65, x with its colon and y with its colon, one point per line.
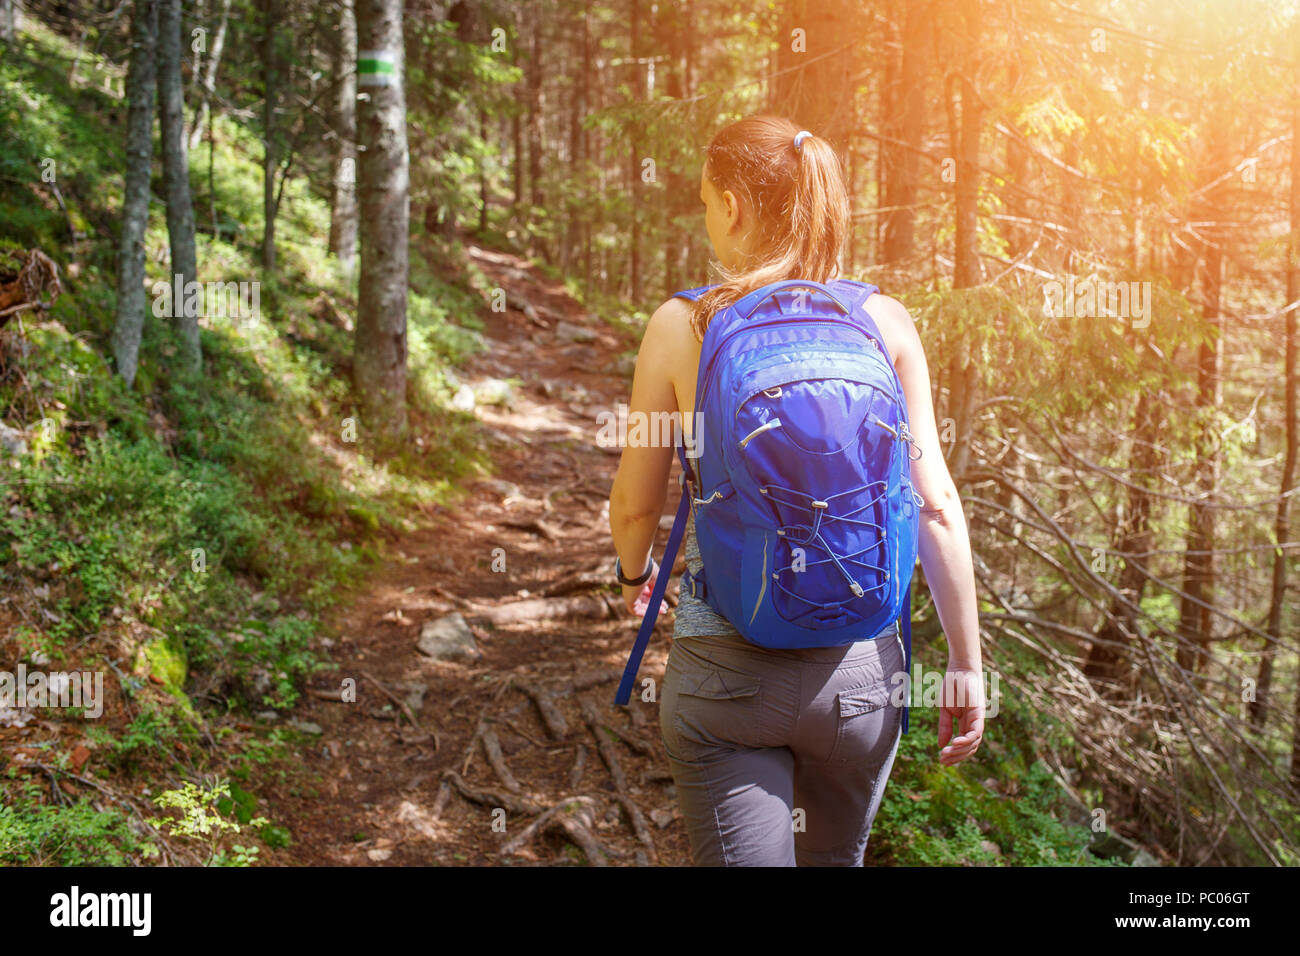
x: 855, y: 293
x: 691, y: 294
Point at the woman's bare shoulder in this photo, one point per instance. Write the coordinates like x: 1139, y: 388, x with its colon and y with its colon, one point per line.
x: 674, y: 311
x: 888, y: 308
x: 670, y: 325
x: 895, y: 323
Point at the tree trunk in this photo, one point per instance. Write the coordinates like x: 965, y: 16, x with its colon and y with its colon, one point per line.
x: 962, y: 377
x: 966, y: 269
x: 517, y: 128
x: 575, y: 205
x: 8, y: 20
x: 905, y: 123
x: 639, y: 92
x: 813, y: 85
x: 270, y: 152
x: 482, y: 173
x: 140, y: 84
x: 584, y: 138
x: 1017, y: 163
x: 343, y: 215
x: 1133, y: 536
x: 1281, y: 524
x: 673, y: 36
x: 384, y: 181
x: 1195, y: 622
x: 209, y: 82
x: 176, y: 174
x: 535, y: 196
x: 517, y: 165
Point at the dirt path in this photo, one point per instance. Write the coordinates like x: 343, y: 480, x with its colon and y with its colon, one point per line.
x: 372, y: 790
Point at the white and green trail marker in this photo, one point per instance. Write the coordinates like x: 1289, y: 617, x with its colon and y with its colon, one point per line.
x: 377, y: 68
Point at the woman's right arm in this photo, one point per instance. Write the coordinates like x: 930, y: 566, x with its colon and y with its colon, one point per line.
x: 944, y: 543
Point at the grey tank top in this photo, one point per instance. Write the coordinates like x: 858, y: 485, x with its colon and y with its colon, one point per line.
x: 694, y: 617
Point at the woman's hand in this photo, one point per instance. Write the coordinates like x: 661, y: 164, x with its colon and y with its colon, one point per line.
x: 962, y: 707
x: 637, y: 597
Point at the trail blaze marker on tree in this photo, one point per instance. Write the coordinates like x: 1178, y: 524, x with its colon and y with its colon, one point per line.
x: 377, y: 68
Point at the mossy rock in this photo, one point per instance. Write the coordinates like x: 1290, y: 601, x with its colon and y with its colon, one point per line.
x: 165, y: 659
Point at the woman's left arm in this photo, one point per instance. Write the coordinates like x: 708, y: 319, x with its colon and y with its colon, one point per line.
x: 944, y: 546
x: 640, y: 489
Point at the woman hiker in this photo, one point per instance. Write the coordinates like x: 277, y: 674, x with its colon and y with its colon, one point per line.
x: 791, y: 775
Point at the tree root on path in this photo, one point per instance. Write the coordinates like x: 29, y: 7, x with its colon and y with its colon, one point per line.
x: 634, y: 743
x: 605, y: 747
x: 579, y: 765
x: 541, y: 609
x: 492, y: 749
x: 555, y: 723
x: 451, y: 596
x: 535, y: 526
x: 405, y: 708
x: 492, y: 798
x: 576, y: 817
x: 515, y: 728
x: 590, y: 579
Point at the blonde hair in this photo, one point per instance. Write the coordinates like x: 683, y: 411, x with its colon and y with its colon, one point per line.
x: 797, y: 197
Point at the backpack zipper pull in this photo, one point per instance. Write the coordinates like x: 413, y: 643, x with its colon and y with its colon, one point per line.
x: 774, y: 423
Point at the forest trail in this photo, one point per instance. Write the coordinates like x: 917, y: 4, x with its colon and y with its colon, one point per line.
x: 373, y: 789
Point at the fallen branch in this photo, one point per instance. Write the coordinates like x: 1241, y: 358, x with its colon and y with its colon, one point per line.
x: 37, y: 274
x: 335, y: 696
x: 126, y: 802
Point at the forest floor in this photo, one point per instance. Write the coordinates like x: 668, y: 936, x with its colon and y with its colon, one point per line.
x: 528, y: 725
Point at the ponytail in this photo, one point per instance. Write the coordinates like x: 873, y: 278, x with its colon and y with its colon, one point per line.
x: 791, y: 181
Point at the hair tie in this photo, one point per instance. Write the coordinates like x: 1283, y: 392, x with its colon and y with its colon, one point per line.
x: 799, y: 137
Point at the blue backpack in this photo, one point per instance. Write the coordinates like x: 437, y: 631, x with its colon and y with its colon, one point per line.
x: 804, y: 509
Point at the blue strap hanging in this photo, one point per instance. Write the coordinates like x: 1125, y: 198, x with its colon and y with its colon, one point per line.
x: 661, y: 585
x: 907, y: 652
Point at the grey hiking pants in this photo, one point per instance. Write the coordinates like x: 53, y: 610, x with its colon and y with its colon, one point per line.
x: 780, y: 757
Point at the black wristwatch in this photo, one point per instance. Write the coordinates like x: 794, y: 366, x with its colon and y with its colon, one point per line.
x: 633, y: 582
